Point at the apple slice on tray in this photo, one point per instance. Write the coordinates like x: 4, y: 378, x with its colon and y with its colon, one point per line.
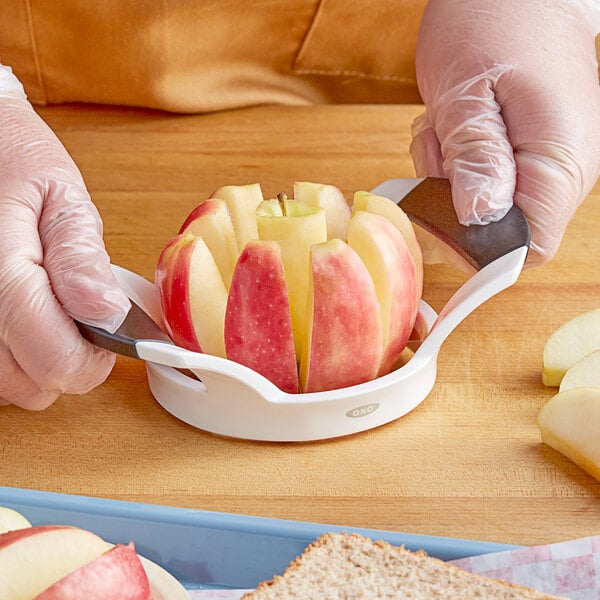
x: 60, y: 562
x: 307, y: 291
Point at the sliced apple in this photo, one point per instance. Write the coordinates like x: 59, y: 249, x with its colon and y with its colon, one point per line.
x: 11, y: 519
x: 394, y: 214
x: 331, y: 199
x: 569, y: 424
x: 242, y: 201
x: 258, y: 323
x: 572, y: 341
x: 116, y: 574
x: 34, y: 558
x: 212, y: 222
x: 584, y: 373
x: 192, y: 294
x: 385, y: 253
x: 297, y: 230
x: 344, y: 343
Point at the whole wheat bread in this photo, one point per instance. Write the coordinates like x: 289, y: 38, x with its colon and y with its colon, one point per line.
x: 340, y: 566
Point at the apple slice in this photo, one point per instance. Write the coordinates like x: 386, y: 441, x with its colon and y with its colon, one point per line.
x: 344, y: 343
x: 384, y: 252
x: 242, y: 201
x: 394, y: 214
x: 212, y: 222
x: 297, y: 230
x: 34, y: 558
x: 584, y: 373
x: 331, y: 199
x: 569, y: 424
x: 258, y: 323
x: 192, y: 294
x: 11, y: 519
x: 572, y: 341
x: 116, y: 574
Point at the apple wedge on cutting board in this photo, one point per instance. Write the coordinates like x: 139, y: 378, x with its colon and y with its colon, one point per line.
x: 570, y: 421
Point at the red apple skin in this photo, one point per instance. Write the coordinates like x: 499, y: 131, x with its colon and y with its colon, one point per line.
x: 9, y: 537
x: 344, y: 345
x: 204, y: 208
x: 171, y: 280
x: 116, y: 574
x: 258, y: 323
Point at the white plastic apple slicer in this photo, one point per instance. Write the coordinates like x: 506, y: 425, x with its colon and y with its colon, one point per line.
x: 230, y: 399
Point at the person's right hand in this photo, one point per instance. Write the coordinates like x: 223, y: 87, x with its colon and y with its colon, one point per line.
x: 53, y: 264
x: 512, y: 110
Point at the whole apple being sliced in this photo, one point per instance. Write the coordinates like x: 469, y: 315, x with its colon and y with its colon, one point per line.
x: 321, y: 298
x: 569, y: 424
x: 572, y: 341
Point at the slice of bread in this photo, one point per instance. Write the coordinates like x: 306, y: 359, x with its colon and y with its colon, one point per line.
x: 345, y: 566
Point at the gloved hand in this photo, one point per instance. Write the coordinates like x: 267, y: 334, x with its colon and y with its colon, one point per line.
x: 52, y: 264
x: 512, y: 109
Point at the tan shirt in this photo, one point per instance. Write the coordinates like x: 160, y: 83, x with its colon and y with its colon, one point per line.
x: 204, y: 55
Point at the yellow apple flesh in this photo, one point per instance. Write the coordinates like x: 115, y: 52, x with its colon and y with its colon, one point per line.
x: 11, y: 519
x: 584, y: 373
x: 569, y: 424
x: 331, y: 199
x: 572, y: 341
x: 242, y: 201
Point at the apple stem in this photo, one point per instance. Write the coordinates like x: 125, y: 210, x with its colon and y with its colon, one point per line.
x: 281, y: 197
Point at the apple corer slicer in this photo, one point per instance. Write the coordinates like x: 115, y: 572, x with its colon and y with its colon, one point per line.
x: 230, y: 399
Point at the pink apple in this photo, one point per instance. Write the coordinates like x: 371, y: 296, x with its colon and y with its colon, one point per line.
x: 34, y: 558
x: 396, y: 216
x: 344, y: 344
x: 212, y: 222
x: 192, y: 294
x: 258, y: 323
x: 116, y: 574
x: 387, y: 257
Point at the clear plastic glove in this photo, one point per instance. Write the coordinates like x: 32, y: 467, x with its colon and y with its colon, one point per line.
x: 512, y: 109
x: 53, y: 265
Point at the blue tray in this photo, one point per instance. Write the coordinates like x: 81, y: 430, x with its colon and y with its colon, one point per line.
x: 205, y: 549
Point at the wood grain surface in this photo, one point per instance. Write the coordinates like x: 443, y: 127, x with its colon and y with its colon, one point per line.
x: 467, y: 463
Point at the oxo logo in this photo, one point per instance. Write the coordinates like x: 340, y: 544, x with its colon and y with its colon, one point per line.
x: 362, y: 411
